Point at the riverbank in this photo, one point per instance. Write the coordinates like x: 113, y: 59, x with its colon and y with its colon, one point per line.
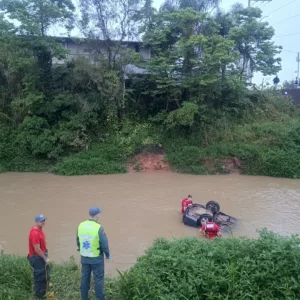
x: 269, y: 148
x: 16, y: 280
x: 264, y: 141
x: 264, y: 268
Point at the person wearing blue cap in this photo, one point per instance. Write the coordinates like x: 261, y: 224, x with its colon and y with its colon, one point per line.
x: 92, y: 244
x: 38, y: 256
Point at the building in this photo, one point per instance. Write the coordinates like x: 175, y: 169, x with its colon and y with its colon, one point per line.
x: 92, y: 49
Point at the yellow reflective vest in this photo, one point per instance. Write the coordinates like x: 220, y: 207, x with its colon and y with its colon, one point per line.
x: 88, y: 234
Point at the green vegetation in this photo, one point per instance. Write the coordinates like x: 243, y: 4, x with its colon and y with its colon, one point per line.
x: 16, y: 280
x: 234, y: 268
x: 264, y: 268
x: 88, y: 115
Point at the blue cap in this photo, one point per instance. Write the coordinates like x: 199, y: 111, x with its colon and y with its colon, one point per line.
x: 40, y: 218
x: 94, y: 211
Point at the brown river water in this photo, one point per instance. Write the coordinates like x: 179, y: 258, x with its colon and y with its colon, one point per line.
x: 137, y: 208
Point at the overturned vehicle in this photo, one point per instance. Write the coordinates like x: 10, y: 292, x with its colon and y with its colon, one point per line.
x: 197, y: 215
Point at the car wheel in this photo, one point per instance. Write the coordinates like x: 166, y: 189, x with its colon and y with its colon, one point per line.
x: 213, y: 206
x: 203, y: 219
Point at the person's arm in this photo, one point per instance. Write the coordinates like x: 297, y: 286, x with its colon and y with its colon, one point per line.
x: 218, y: 230
x: 202, y: 229
x: 37, y: 248
x: 39, y: 252
x: 104, y: 242
x: 77, y: 241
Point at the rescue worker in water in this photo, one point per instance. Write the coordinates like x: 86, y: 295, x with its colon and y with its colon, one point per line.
x: 210, y: 229
x: 93, y: 244
x: 186, y: 202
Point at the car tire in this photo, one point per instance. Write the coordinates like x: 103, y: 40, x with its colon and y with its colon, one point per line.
x: 213, y: 206
x: 203, y: 219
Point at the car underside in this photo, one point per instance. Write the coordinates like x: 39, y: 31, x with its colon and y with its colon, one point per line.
x: 197, y: 215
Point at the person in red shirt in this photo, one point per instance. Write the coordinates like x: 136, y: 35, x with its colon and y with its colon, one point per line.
x: 210, y: 230
x: 186, y: 202
x: 38, y: 256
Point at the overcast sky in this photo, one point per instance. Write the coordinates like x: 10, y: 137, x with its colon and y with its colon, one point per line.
x: 287, y: 31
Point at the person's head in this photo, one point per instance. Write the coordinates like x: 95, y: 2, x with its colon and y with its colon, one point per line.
x: 95, y: 213
x: 40, y: 221
x: 190, y: 197
x: 210, y: 219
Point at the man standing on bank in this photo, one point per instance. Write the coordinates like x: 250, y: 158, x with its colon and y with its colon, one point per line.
x: 38, y: 257
x: 93, y: 244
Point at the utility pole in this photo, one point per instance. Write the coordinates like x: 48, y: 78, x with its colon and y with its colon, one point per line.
x: 298, y: 61
x: 249, y: 1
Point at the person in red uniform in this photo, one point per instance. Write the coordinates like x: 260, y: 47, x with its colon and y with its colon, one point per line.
x: 186, y: 202
x: 38, y: 256
x: 210, y: 230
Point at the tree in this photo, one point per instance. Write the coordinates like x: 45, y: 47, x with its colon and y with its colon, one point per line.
x: 111, y: 22
x: 197, y: 5
x: 253, y: 42
x: 36, y: 17
x: 289, y: 84
x: 187, y: 58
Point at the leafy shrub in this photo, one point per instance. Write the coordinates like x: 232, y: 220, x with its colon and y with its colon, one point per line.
x: 239, y: 268
x: 7, y: 147
x: 78, y: 166
x: 105, y: 158
x: 135, y: 137
x: 36, y: 136
x: 186, y: 158
x: 280, y: 163
x: 16, y: 280
x: 13, y: 157
x: 15, y: 277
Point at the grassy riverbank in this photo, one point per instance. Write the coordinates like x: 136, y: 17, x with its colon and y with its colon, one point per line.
x: 263, y: 141
x: 16, y: 280
x: 235, y: 268
x: 180, y: 91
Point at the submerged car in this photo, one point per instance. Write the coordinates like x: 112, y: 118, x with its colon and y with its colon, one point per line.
x: 197, y: 215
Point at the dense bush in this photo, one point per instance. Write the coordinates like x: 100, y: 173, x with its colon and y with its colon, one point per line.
x: 238, y: 268
x: 16, y: 280
x: 103, y: 158
x: 267, y: 148
x: 14, y: 157
x: 265, y: 268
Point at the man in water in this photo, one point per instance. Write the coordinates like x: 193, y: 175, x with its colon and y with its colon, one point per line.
x: 38, y: 257
x: 186, y: 202
x: 210, y: 230
x: 92, y: 243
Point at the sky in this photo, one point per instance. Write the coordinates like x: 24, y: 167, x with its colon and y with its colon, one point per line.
x: 287, y: 32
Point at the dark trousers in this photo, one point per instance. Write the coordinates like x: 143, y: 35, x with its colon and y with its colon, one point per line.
x: 98, y: 272
x: 41, y: 275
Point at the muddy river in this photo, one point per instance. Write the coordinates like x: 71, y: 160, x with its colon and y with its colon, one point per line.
x: 137, y: 208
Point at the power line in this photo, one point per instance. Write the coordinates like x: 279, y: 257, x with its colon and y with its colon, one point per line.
x: 289, y: 51
x: 264, y: 5
x: 280, y: 8
x: 249, y: 2
x: 287, y: 34
x: 287, y: 19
